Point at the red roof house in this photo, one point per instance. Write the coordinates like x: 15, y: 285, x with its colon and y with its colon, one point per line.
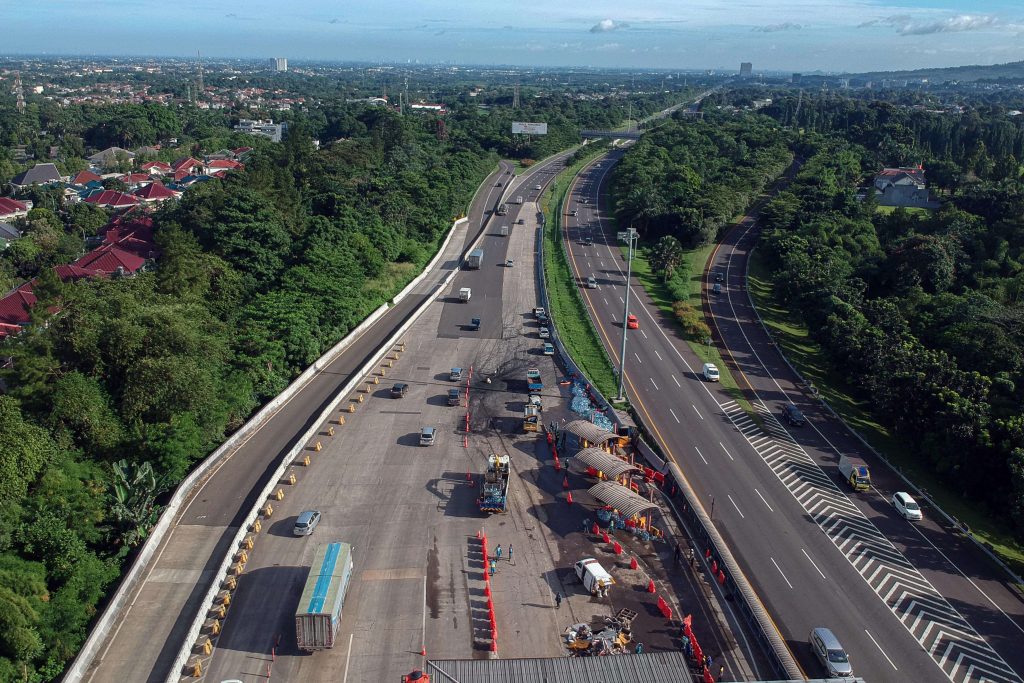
x: 12, y: 208
x: 154, y: 192
x: 14, y: 309
x: 108, y: 260
x: 112, y: 198
x: 86, y: 177
x: 223, y: 165
x: 135, y: 179
x: 156, y: 167
x: 187, y: 164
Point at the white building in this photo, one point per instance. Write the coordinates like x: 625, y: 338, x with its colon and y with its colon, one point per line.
x: 279, y: 63
x: 268, y: 129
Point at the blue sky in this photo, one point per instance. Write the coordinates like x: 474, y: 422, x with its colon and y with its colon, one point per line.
x: 798, y: 35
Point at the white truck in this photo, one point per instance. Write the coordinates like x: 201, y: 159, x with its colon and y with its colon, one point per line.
x: 593, y: 576
x: 504, y: 231
x: 519, y: 199
x: 475, y: 259
x: 465, y: 293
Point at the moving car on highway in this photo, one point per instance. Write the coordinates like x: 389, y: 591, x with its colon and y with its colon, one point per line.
x: 906, y: 506
x: 632, y: 322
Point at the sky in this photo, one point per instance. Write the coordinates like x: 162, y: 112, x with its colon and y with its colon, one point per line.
x: 782, y: 35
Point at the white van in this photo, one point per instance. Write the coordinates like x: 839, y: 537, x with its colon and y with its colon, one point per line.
x: 593, y: 576
x: 465, y: 293
x: 710, y: 372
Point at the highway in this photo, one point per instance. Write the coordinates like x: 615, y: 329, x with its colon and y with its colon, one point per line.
x: 816, y: 556
x: 408, y: 510
x: 152, y: 627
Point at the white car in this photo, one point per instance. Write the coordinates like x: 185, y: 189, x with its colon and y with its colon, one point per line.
x: 544, y: 333
x: 906, y: 505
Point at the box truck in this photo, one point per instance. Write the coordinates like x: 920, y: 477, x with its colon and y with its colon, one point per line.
x: 319, y: 612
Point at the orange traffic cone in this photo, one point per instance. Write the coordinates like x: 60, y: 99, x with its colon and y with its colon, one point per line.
x: 568, y: 498
x: 565, y: 482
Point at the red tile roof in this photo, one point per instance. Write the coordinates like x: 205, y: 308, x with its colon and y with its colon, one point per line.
x: 73, y: 273
x: 15, y: 306
x: 154, y: 191
x: 135, y: 178
x: 186, y: 163
x: 11, y: 206
x: 135, y: 238
x: 112, y: 198
x: 224, y: 163
x: 108, y: 258
x: 85, y: 177
x: 156, y: 166
x: 239, y: 151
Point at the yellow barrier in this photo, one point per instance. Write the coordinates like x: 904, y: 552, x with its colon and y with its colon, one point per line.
x: 305, y: 460
x: 364, y: 390
x: 226, y: 600
x: 330, y: 431
x: 247, y: 542
x: 268, y: 510
x: 243, y: 557
x: 352, y: 407
x: 382, y: 371
x: 197, y: 669
x: 280, y: 494
x: 208, y: 647
x: 389, y: 364
x: 230, y: 583
x: 318, y: 447
x: 257, y: 526
x: 291, y: 479
x: 359, y: 398
x: 341, y: 419
x: 215, y: 627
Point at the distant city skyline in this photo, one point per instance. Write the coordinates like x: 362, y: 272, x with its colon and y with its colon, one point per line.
x: 776, y: 35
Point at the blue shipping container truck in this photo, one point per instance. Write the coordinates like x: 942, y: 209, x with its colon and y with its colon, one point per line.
x: 319, y: 613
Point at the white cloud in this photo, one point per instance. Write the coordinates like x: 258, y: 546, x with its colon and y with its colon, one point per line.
x: 606, y: 25
x: 905, y: 25
x: 775, y: 28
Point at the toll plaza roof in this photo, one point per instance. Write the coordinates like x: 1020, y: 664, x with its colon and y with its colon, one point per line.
x: 605, y: 462
x: 589, y: 431
x: 656, y: 667
x: 621, y: 498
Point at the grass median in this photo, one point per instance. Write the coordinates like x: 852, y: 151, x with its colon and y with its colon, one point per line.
x: 568, y: 311
x: 809, y: 359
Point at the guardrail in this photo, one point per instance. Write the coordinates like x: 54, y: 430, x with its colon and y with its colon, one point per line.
x: 735, y: 581
x: 911, y: 485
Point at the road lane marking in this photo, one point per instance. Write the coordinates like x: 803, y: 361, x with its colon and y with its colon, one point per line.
x: 780, y: 572
x: 658, y: 355
x: 637, y: 358
x: 605, y: 301
x: 740, y: 511
x: 623, y: 301
x: 813, y: 563
x: 676, y: 418
x: 348, y: 656
x: 645, y: 337
x: 701, y: 455
x: 677, y: 382
x: 726, y: 451
x: 881, y: 650
x: 763, y: 500
x: 696, y: 411
x: 655, y: 385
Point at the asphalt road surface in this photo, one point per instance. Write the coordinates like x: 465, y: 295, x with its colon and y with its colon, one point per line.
x: 909, y: 602
x: 152, y: 627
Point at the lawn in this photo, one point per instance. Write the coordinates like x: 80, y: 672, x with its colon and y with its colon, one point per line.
x: 908, y: 209
x: 808, y: 358
x: 568, y: 311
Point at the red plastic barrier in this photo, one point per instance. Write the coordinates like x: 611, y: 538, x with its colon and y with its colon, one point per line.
x: 633, y: 564
x: 591, y: 471
x: 659, y: 478
x: 714, y: 567
x: 708, y: 678
x: 650, y: 586
x: 617, y: 548
x: 605, y: 538
x: 595, y: 529
x: 721, y: 578
x: 663, y: 607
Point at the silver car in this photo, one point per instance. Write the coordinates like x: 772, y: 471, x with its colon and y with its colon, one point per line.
x: 427, y: 436
x: 830, y: 653
x: 306, y: 522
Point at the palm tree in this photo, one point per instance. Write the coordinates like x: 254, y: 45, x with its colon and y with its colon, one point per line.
x: 134, y: 491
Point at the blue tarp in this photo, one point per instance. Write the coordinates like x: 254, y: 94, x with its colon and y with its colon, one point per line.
x: 581, y: 405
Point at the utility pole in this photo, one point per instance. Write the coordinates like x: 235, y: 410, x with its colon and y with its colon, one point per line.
x: 629, y: 236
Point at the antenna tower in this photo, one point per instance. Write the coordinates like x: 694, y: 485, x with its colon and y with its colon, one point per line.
x: 796, y: 114
x: 199, y: 82
x: 515, y: 96
x: 19, y: 93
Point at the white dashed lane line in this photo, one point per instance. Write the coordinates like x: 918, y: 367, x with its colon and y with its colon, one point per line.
x: 813, y: 563
x: 780, y: 572
x: 645, y: 337
x: 696, y: 411
x: 701, y: 455
x: 655, y: 385
x: 676, y: 418
x: 763, y: 500
x: 738, y: 510
x: 677, y: 382
x: 638, y: 359
x: 725, y: 449
x: 894, y: 668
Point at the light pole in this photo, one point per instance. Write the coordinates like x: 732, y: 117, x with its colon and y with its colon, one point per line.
x: 630, y: 237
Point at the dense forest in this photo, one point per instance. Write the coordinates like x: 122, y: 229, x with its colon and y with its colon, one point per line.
x: 920, y: 312
x: 120, y: 386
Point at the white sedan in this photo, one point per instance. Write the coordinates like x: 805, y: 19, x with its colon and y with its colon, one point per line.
x: 906, y: 506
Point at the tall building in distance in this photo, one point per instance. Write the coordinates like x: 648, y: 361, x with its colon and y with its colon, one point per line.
x: 746, y: 69
x: 796, y: 78
x: 279, y: 63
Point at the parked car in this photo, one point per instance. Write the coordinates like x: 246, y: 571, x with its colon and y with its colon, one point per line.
x: 793, y: 416
x: 632, y: 322
x: 509, y: 262
x: 549, y: 349
x: 719, y: 276
x: 455, y: 375
x: 574, y: 212
x: 306, y: 522
x: 544, y: 333
x: 830, y: 653
x: 474, y: 324
x: 906, y: 506
x: 399, y: 390
x: 454, y: 398
x: 428, y: 435
x: 717, y: 289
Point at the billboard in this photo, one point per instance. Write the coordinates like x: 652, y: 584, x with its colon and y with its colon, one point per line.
x: 530, y: 128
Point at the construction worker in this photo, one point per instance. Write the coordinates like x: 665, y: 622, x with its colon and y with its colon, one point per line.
x: 639, y: 648
x: 558, y: 600
x: 497, y: 552
x: 492, y: 567
x: 510, y: 552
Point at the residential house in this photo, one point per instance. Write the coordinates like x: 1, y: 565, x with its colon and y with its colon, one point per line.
x: 903, y: 187
x: 240, y: 152
x: 14, y: 310
x: 8, y: 233
x: 156, y: 168
x: 110, y: 157
x: 155, y: 192
x: 40, y: 174
x: 109, y: 260
x: 213, y: 165
x: 186, y: 166
x: 268, y: 129
x: 85, y: 177
x: 111, y: 199
x: 135, y: 180
x: 11, y: 209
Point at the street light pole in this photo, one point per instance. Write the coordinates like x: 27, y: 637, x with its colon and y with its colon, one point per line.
x: 629, y: 236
